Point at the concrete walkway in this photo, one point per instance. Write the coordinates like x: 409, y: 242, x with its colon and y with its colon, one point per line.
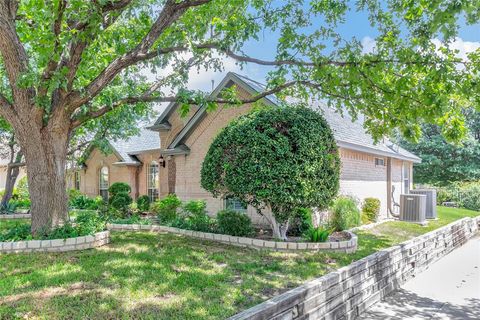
x: 449, y: 289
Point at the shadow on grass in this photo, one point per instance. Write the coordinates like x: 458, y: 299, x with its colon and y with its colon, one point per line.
x: 149, y: 275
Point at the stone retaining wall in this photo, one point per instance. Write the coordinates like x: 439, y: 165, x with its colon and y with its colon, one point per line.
x: 57, y: 245
x: 349, y: 291
x: 347, y: 246
x: 16, y: 216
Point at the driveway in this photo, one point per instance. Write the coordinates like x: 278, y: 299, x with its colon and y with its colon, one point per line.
x: 449, y: 289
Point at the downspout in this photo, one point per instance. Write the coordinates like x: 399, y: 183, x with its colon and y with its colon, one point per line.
x: 390, y: 191
x: 137, y: 180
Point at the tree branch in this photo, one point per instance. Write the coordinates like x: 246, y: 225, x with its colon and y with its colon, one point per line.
x: 170, y: 13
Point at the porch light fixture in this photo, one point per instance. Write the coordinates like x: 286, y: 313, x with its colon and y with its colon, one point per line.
x: 161, y: 161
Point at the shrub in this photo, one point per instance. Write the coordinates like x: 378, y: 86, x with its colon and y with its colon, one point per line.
x: 119, y: 198
x: 62, y: 232
x: 301, y: 222
x: 319, y: 234
x: 344, y: 214
x: 143, y: 203
x: 18, y: 232
x: 468, y: 195
x: 89, y: 222
x: 444, y: 195
x: 166, y: 209
x: 83, y: 202
x: 134, y: 219
x: 281, y: 158
x: 234, y: 223
x: 195, y: 214
x: 371, y: 209
x: 120, y: 201
x: 118, y: 187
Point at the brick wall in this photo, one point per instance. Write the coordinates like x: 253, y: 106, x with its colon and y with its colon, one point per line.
x: 349, y: 291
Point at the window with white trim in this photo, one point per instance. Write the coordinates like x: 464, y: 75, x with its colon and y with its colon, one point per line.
x: 153, y: 181
x: 235, y: 205
x: 103, y: 183
x: 406, y: 177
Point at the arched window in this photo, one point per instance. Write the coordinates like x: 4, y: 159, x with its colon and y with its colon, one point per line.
x: 103, y: 182
x: 152, y: 181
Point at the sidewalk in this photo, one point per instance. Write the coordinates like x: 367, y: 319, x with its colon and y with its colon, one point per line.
x: 449, y: 289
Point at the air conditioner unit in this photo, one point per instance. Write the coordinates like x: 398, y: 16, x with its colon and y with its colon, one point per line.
x: 413, y: 208
x: 431, y: 210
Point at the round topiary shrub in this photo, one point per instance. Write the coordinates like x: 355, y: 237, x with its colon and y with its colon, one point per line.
x: 118, y: 187
x: 280, y: 159
x: 121, y: 201
x: 143, y: 203
x: 234, y: 223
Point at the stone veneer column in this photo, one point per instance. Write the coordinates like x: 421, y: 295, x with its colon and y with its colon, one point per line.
x: 172, y: 174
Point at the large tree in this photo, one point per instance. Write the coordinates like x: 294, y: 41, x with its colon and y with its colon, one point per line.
x: 64, y: 63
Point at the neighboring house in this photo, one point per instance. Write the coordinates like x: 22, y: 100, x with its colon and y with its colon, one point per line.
x: 3, y: 173
x: 368, y: 169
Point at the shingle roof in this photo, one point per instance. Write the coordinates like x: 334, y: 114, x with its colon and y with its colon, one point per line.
x: 127, y: 149
x: 348, y: 134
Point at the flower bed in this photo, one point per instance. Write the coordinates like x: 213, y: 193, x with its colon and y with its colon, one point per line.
x: 348, y: 246
x: 57, y: 245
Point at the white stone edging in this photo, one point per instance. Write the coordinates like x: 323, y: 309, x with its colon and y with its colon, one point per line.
x: 371, y: 225
x: 348, y: 246
x: 349, y: 291
x: 16, y: 216
x: 57, y: 245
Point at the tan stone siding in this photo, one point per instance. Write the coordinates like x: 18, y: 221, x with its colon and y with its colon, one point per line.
x: 89, y: 176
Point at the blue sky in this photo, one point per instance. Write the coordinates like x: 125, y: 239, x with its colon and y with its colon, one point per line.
x: 356, y: 25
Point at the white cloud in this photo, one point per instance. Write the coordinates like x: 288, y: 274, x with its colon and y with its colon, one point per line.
x: 463, y: 47
x: 368, y: 45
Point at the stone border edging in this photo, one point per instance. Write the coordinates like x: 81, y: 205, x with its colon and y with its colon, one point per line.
x: 351, y: 290
x: 57, y: 245
x: 348, y: 246
x: 16, y: 216
x: 371, y: 225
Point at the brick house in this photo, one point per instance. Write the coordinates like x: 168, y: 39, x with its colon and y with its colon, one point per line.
x: 167, y: 157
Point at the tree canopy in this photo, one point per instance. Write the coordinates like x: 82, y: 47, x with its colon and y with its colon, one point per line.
x: 444, y: 162
x: 278, y: 159
x: 65, y: 63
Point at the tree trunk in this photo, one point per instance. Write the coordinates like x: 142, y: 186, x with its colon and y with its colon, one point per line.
x: 279, y: 229
x: 13, y: 170
x: 45, y: 157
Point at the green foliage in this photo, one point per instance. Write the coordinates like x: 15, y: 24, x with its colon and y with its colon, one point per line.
x: 344, y: 214
x: 444, y: 194
x: 301, y: 222
x: 143, y: 203
x: 319, y: 234
x: 18, y: 232
x: 370, y: 209
x: 120, y: 201
x: 119, y: 187
x: 89, y: 222
x: 444, y: 162
x: 77, y: 200
x: 194, y: 212
x: 234, y: 223
x: 467, y: 195
x: 119, y: 198
x: 133, y: 219
x: 166, y: 209
x: 282, y: 158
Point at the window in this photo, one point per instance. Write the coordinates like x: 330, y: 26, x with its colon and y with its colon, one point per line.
x: 379, y: 162
x: 235, y: 205
x: 152, y: 181
x: 103, y: 183
x: 406, y: 177
x: 76, y: 181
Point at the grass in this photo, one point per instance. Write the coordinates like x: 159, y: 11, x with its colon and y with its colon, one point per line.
x: 165, y: 276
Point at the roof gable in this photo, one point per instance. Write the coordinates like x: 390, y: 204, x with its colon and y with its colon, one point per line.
x: 349, y: 134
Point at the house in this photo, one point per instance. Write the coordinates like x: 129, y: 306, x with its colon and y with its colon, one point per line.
x: 167, y: 157
x: 3, y: 172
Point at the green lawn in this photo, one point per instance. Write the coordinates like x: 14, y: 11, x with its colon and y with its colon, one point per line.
x: 164, y: 276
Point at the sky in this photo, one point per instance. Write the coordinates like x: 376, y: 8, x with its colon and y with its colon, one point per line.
x: 356, y: 25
